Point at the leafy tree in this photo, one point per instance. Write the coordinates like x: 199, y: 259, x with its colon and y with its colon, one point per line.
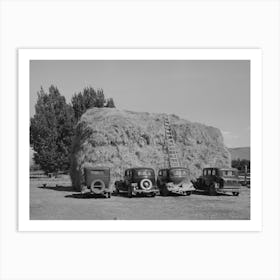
x: 240, y: 164
x: 51, y: 131
x: 89, y: 98
x: 110, y: 103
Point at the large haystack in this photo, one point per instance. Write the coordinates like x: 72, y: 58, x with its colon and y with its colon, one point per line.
x: 122, y: 139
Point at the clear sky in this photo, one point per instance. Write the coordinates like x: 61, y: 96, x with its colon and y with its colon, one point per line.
x: 215, y: 93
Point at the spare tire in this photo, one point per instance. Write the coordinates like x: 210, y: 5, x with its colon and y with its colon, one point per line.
x: 97, y: 186
x: 146, y: 184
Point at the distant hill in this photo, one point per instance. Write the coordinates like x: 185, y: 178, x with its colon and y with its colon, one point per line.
x: 240, y: 153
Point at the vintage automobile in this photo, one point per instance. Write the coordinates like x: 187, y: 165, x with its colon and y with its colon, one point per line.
x: 245, y: 180
x: 97, y: 181
x: 136, y: 181
x: 174, y: 180
x: 218, y: 180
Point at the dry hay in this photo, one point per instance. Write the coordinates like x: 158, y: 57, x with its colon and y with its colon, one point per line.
x: 122, y: 139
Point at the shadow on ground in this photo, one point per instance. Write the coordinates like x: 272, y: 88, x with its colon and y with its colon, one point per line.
x: 207, y: 194
x: 58, y: 188
x: 84, y: 196
x: 124, y: 194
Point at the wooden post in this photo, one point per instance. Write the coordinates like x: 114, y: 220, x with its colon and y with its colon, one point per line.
x: 245, y: 175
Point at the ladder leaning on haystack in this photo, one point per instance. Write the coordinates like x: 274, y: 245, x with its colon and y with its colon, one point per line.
x: 172, y: 159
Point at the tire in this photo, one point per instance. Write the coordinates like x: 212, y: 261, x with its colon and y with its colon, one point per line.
x: 129, y: 192
x: 212, y: 190
x: 164, y: 191
x: 188, y: 193
x: 235, y: 193
x: 97, y: 186
x: 117, y: 192
x: 146, y: 184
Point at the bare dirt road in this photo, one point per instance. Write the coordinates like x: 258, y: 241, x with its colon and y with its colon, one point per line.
x: 58, y: 201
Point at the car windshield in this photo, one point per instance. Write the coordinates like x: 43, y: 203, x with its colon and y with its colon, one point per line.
x: 178, y: 172
x: 97, y: 172
x: 144, y: 172
x: 229, y: 173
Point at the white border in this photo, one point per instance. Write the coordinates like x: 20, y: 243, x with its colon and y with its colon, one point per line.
x: 254, y: 55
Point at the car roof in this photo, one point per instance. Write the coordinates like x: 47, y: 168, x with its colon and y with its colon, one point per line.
x: 222, y: 169
x: 98, y: 168
x: 171, y: 168
x: 228, y: 169
x: 140, y: 168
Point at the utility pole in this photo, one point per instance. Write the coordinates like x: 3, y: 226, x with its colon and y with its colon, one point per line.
x: 245, y: 175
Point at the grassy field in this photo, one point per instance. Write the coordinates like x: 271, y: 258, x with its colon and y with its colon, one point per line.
x: 58, y: 201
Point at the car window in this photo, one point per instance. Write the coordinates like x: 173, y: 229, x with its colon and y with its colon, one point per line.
x: 160, y: 173
x: 97, y: 172
x: 178, y: 172
x: 213, y: 172
x: 229, y: 173
x: 144, y: 172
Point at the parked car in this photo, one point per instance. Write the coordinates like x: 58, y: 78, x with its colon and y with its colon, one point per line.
x: 218, y: 180
x: 139, y: 180
x: 174, y: 180
x: 97, y: 181
x: 245, y: 180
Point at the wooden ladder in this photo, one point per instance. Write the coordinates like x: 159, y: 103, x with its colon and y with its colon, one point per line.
x: 172, y: 159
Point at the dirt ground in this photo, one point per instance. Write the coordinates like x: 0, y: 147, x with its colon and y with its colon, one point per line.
x: 58, y: 201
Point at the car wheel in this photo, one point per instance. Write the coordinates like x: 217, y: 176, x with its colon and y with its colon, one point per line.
x: 212, y: 190
x: 164, y: 191
x: 188, y: 193
x: 129, y: 192
x: 146, y: 184
x: 235, y: 193
x: 97, y: 186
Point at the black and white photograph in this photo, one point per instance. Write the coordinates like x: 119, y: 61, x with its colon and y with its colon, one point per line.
x: 140, y: 140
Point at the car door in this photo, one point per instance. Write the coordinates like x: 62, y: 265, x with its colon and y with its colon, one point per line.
x: 202, y: 180
x: 127, y: 179
x: 208, y: 178
x: 122, y: 186
x: 159, y: 177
